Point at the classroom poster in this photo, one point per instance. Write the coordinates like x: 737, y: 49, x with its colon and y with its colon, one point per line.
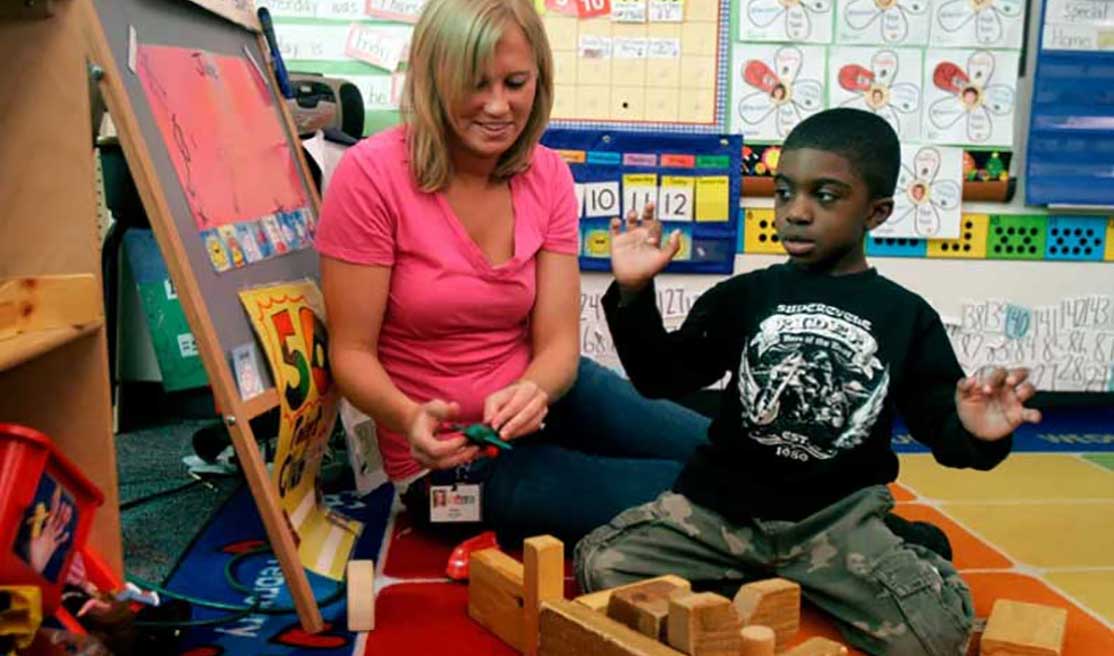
x: 978, y: 23
x: 882, y: 22
x: 970, y: 97
x: 880, y: 80
x: 288, y: 319
x: 928, y: 194
x: 809, y: 21
x: 223, y: 134
x: 774, y: 89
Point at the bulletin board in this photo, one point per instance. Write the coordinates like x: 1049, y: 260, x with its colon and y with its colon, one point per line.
x: 1071, y: 127
x: 639, y: 64
x: 693, y: 180
x: 181, y: 85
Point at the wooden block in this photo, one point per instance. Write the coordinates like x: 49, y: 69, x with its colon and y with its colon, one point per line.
x: 543, y: 563
x: 495, y: 595
x: 704, y: 624
x: 758, y: 640
x: 46, y: 302
x: 644, y: 607
x: 361, y: 595
x: 598, y: 601
x: 1018, y: 628
x: 775, y: 603
x: 817, y: 647
x: 572, y: 629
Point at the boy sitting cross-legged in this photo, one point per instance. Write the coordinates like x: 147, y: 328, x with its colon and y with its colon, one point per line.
x: 823, y: 352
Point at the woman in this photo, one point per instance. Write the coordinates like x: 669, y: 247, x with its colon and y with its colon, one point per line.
x: 449, y: 269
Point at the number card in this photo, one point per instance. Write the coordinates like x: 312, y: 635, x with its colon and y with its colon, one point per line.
x: 676, y: 198
x: 638, y: 190
x: 601, y: 199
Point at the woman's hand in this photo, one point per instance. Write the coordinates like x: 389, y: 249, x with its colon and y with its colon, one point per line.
x: 432, y: 451
x: 517, y: 409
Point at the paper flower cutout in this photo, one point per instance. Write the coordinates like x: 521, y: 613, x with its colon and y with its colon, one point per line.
x: 987, y: 14
x: 795, y: 14
x: 920, y: 197
x: 779, y: 91
x: 972, y: 96
x: 877, y: 91
x: 892, y: 16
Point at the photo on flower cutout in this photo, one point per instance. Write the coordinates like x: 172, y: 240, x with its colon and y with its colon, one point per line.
x: 886, y: 82
x: 928, y: 194
x: 774, y: 91
x: 882, y: 22
x: 970, y: 97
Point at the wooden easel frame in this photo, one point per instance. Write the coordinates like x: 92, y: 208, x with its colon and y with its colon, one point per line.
x: 236, y: 412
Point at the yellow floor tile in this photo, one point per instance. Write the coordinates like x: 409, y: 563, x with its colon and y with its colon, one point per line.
x: 1095, y: 590
x: 1049, y: 534
x: 1041, y: 476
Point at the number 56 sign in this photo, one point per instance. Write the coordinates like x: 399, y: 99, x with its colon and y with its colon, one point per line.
x: 288, y: 320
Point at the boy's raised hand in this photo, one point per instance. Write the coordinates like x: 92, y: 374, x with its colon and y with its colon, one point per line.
x: 637, y: 254
x: 991, y: 405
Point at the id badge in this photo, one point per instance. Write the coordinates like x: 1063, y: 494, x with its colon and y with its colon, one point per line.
x: 454, y: 503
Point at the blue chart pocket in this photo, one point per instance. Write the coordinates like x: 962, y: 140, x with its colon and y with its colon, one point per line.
x: 694, y: 182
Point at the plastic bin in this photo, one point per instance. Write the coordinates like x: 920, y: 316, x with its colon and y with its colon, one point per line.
x: 46, y: 512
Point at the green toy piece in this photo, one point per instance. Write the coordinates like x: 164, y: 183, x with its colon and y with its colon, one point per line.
x: 484, y: 435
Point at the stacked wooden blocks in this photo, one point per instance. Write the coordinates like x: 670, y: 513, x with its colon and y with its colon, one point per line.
x: 523, y: 604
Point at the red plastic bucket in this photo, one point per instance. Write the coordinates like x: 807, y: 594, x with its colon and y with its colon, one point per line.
x: 46, y: 512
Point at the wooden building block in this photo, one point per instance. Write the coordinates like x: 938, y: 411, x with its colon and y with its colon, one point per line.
x: 598, y: 601
x: 361, y: 595
x: 758, y: 640
x: 817, y: 647
x: 572, y: 629
x: 495, y: 595
x: 1018, y: 628
x: 645, y: 607
x: 543, y: 563
x: 704, y: 624
x: 775, y: 603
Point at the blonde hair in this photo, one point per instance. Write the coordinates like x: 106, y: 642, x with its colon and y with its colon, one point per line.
x: 453, y: 43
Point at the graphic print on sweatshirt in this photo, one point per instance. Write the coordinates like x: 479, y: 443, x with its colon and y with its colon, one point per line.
x: 810, y: 382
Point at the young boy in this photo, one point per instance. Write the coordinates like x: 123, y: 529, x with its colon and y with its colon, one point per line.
x: 823, y: 351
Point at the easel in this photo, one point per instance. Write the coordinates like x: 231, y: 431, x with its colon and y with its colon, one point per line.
x: 161, y: 194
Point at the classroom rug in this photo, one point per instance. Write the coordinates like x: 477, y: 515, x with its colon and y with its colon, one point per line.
x: 1037, y: 528
x: 236, y: 529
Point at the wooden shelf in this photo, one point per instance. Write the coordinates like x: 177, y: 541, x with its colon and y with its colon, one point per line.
x: 16, y: 350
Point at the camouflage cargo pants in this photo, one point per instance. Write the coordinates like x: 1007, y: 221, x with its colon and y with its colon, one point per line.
x: 888, y: 596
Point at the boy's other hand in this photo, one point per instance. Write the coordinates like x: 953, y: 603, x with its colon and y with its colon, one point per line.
x: 637, y: 254
x: 991, y: 404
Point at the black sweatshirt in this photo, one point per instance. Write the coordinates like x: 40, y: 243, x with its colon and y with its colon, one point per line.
x: 819, y: 365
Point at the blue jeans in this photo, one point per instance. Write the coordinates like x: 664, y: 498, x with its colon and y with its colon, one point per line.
x: 604, y: 449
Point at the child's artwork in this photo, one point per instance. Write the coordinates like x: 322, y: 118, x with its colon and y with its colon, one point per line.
x: 929, y: 190
x: 978, y: 23
x: 223, y: 134
x: 886, y: 82
x: 882, y: 22
x: 970, y: 97
x: 799, y: 21
x: 775, y: 89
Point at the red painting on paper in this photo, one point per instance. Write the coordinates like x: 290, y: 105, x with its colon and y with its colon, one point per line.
x: 223, y: 132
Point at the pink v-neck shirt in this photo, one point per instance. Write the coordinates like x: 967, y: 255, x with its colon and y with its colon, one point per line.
x: 455, y: 327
